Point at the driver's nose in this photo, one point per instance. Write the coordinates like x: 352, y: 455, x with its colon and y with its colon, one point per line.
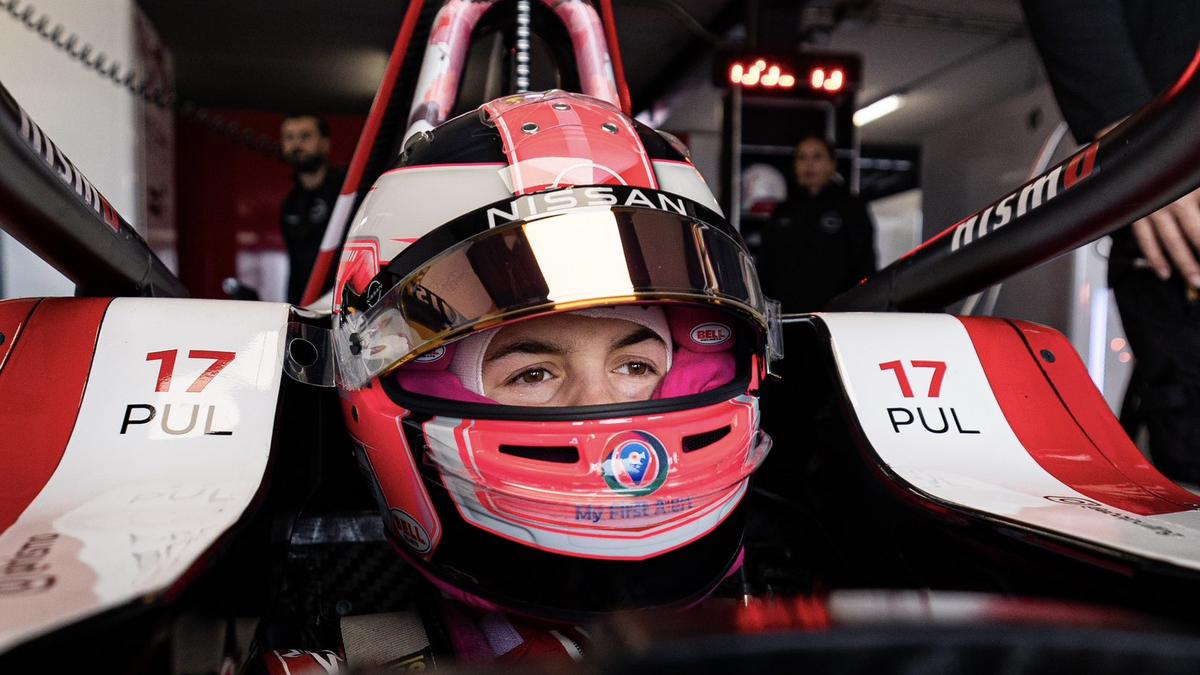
x: 590, y: 389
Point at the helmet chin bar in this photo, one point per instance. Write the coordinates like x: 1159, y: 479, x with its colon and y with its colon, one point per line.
x: 594, y: 506
x: 603, y: 533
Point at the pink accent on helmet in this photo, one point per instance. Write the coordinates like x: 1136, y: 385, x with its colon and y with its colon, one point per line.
x: 559, y: 140
x: 360, y: 263
x: 704, y: 359
x: 439, y: 384
x: 438, y: 359
x: 467, y: 364
x: 520, y: 496
x: 374, y: 421
x: 701, y: 359
x: 699, y: 329
x: 431, y: 375
x: 695, y: 373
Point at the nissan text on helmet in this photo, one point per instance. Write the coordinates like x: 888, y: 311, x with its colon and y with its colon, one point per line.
x: 504, y: 244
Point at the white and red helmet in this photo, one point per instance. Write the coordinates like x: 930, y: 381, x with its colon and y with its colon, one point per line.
x: 535, y: 205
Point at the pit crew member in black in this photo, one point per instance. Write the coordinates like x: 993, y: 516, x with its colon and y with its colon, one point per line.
x: 1105, y: 59
x: 306, y: 209
x: 820, y: 241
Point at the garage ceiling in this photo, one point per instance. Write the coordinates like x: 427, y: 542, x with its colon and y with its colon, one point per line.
x: 329, y: 55
x: 948, y: 57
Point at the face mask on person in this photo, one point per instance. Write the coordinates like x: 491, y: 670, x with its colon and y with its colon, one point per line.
x: 306, y: 163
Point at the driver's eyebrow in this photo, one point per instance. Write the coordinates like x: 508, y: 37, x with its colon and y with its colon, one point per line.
x: 527, y: 346
x: 639, y: 335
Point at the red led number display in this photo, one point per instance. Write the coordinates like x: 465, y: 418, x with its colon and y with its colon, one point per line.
x: 764, y: 74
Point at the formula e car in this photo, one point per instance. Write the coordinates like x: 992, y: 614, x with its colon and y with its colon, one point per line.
x: 193, y: 485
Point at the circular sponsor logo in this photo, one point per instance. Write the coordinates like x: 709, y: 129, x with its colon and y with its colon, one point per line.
x: 636, y: 463
x: 410, y: 532
x: 374, y: 292
x: 432, y: 357
x: 830, y: 222
x: 319, y: 211
x: 711, y: 334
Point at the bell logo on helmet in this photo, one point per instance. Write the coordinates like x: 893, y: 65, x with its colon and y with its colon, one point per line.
x: 636, y: 463
x: 711, y: 334
x: 411, y: 532
x: 433, y: 356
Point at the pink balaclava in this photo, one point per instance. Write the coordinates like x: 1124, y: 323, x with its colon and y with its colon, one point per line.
x: 699, y: 349
x: 468, y: 360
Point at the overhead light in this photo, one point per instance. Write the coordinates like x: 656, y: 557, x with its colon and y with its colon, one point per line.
x: 884, y: 106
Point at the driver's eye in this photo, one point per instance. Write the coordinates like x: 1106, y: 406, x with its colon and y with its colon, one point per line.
x: 533, y: 376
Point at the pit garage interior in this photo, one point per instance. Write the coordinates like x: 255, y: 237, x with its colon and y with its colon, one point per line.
x: 976, y: 112
x: 934, y: 108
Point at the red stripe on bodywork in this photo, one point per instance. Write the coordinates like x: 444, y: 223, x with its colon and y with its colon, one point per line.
x: 614, y: 53
x: 41, y: 387
x: 366, y: 141
x: 1069, y: 378
x: 13, y: 316
x: 1063, y: 422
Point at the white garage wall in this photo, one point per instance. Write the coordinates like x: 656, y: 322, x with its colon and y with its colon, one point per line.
x: 977, y: 159
x: 90, y: 118
x: 898, y: 221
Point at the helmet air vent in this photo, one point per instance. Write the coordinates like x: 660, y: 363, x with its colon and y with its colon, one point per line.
x: 705, y: 439
x: 560, y: 454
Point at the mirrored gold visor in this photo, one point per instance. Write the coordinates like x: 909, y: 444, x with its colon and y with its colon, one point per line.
x: 586, y: 257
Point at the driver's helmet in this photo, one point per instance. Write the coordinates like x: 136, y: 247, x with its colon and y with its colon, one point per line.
x: 535, y: 206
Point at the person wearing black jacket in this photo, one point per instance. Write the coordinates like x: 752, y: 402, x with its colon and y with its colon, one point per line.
x: 1105, y: 59
x: 305, y: 212
x: 820, y: 241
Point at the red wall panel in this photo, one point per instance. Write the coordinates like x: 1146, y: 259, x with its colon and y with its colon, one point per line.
x: 229, y: 194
